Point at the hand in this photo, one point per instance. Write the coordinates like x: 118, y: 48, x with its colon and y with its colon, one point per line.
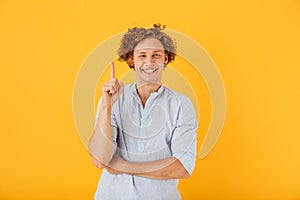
x: 112, y: 89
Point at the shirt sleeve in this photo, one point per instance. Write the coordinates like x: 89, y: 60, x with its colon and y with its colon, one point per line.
x: 184, y: 138
x: 114, y: 126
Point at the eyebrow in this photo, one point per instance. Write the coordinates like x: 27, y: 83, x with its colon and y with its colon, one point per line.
x: 143, y: 50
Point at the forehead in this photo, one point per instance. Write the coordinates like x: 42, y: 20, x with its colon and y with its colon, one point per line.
x: 150, y: 44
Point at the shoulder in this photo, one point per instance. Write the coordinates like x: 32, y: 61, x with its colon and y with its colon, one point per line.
x: 186, y: 110
x: 175, y: 96
x: 180, y: 101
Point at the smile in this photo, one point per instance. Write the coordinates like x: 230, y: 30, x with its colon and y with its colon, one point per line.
x: 149, y: 71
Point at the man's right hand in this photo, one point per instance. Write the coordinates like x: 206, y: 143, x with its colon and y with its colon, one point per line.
x: 112, y: 89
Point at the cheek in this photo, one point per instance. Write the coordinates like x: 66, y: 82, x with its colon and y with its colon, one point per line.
x: 138, y: 62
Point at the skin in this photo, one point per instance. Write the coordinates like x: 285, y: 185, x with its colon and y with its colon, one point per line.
x: 102, y: 136
x: 148, y: 54
x: 149, y: 60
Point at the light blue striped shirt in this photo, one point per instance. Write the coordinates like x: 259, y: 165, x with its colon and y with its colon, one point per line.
x: 165, y: 127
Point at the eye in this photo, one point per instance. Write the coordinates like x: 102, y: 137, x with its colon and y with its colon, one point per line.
x: 142, y: 56
x: 157, y: 55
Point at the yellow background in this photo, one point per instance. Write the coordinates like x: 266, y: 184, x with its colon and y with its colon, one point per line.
x: 255, y: 44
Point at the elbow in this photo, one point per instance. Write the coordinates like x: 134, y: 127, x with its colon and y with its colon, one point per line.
x: 100, y: 157
x: 180, y: 173
x: 98, y: 164
x: 184, y: 174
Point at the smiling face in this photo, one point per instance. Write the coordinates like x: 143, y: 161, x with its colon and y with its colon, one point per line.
x: 149, y: 60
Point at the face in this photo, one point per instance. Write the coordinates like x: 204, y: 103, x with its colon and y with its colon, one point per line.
x: 149, y: 60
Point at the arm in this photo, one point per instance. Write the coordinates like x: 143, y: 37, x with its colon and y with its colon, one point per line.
x: 101, y: 146
x: 169, y: 168
x: 183, y: 148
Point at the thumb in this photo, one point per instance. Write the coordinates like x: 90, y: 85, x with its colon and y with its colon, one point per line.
x: 121, y: 84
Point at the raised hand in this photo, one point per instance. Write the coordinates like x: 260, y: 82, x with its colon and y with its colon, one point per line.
x: 112, y: 89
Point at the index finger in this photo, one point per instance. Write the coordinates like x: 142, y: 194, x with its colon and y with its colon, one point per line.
x: 112, y: 70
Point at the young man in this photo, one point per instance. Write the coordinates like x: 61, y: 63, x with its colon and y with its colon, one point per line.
x: 145, y: 133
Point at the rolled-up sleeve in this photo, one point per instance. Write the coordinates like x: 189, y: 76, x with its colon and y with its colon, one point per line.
x: 184, y: 137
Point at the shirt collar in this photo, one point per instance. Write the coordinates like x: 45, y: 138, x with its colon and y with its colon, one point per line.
x: 158, y: 92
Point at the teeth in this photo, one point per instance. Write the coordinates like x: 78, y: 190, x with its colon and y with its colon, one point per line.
x: 149, y: 70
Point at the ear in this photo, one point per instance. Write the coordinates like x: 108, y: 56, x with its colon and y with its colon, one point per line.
x: 130, y: 61
x: 166, y: 59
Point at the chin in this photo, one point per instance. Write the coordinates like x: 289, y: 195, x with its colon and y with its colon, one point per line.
x: 149, y: 81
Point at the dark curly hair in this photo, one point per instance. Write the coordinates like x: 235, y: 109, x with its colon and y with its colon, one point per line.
x: 136, y: 35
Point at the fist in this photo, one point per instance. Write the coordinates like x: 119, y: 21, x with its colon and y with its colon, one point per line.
x: 111, y: 91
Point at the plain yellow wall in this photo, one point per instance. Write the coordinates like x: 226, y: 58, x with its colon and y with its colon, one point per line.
x: 255, y: 44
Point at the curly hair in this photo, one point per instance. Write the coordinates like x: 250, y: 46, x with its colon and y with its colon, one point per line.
x: 136, y: 35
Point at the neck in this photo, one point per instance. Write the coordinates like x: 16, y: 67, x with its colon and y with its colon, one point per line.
x: 145, y: 90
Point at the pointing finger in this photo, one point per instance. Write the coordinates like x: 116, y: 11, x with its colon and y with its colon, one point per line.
x: 112, y: 70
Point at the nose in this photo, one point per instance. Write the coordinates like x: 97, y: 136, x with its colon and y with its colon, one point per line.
x: 149, y: 59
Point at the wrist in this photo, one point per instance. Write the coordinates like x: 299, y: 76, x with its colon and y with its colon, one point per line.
x: 105, y: 108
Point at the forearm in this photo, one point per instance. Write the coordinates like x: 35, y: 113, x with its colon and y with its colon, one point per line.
x: 169, y: 168
x: 100, y: 145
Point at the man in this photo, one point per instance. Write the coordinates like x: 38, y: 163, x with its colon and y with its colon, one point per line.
x: 145, y: 133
